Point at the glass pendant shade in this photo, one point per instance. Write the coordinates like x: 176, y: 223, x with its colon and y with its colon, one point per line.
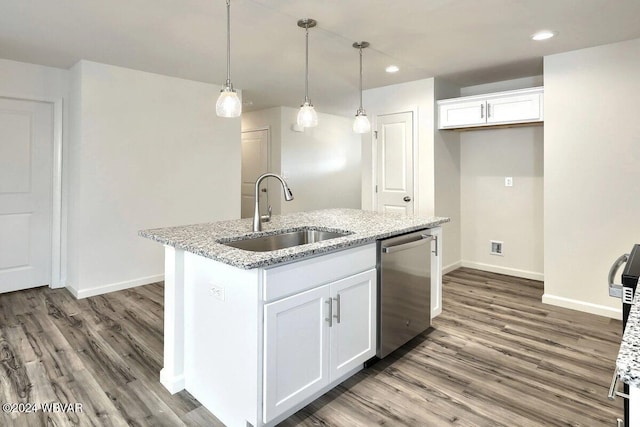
x: 228, y: 104
x: 361, y: 123
x: 307, y: 116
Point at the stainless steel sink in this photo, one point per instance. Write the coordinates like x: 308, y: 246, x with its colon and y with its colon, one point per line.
x: 289, y: 239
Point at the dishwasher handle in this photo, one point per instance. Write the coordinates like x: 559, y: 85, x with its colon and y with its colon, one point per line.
x: 407, y: 245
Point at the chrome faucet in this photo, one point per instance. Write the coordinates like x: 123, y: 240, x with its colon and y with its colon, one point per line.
x: 288, y: 196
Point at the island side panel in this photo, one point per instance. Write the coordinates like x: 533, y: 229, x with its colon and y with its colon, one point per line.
x: 172, y: 374
x: 634, y: 406
x: 223, y: 339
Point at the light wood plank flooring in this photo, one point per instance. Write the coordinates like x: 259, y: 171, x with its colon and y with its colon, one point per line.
x: 495, y: 357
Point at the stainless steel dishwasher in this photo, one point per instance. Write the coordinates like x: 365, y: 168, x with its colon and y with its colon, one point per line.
x: 404, y: 289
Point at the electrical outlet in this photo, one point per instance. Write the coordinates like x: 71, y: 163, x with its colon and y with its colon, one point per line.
x: 508, y: 181
x: 495, y: 247
x: 217, y: 291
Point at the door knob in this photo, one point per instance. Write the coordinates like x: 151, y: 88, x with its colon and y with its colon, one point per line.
x: 407, y: 198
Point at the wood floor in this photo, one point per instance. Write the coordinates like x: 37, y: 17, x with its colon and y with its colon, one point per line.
x: 495, y: 357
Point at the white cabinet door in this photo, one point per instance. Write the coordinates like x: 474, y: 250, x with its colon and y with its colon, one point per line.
x: 461, y: 114
x: 515, y: 108
x: 353, y: 333
x: 436, y: 271
x: 296, y: 353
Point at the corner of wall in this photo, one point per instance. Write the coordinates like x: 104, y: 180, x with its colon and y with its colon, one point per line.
x: 447, y: 181
x: 72, y: 176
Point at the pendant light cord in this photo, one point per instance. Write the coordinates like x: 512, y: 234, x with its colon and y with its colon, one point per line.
x: 360, y: 78
x: 228, y: 84
x: 306, y: 66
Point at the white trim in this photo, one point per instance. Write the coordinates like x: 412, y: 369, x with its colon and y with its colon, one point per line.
x: 587, y: 307
x: 112, y: 287
x: 58, y: 268
x: 58, y: 263
x: 453, y: 266
x: 525, y: 274
x: 259, y: 128
x: 174, y: 383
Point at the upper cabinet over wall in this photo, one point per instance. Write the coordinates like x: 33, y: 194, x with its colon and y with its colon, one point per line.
x: 496, y: 109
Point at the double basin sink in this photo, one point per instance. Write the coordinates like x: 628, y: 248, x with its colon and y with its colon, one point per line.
x: 285, y: 239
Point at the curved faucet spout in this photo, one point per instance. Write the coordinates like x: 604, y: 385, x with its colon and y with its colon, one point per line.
x: 288, y: 196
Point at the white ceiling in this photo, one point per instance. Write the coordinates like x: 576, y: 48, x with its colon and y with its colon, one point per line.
x: 466, y: 41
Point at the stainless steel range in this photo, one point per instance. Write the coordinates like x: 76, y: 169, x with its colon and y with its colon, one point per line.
x: 625, y: 292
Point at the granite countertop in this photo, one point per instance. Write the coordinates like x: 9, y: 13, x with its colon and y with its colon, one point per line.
x: 628, y: 362
x: 365, y: 226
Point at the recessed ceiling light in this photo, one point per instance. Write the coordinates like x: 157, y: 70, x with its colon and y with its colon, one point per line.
x: 392, y: 69
x: 543, y: 35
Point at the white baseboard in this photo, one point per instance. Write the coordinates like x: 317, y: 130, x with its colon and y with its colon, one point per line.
x: 112, y: 287
x: 504, y: 270
x: 449, y: 268
x: 173, y: 383
x: 587, y: 307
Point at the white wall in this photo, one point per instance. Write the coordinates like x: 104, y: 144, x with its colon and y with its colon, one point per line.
x: 29, y: 81
x: 146, y: 151
x: 522, y: 83
x: 415, y: 96
x: 591, y: 157
x: 322, y: 165
x: 20, y: 79
x: 491, y: 211
x: 436, y: 166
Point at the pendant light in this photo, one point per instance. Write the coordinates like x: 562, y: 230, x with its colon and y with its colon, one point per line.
x: 307, y: 116
x: 228, y: 104
x: 361, y: 123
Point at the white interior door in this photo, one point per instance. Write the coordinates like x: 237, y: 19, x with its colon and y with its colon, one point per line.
x: 394, y: 174
x: 26, y: 164
x: 255, y: 162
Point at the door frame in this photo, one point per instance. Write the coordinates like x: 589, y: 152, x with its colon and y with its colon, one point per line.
x: 58, y: 217
x: 414, y: 110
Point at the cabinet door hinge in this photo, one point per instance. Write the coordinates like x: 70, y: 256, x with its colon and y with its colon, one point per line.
x: 376, y: 188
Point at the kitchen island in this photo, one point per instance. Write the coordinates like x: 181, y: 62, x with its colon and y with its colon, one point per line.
x: 628, y: 361
x: 255, y: 336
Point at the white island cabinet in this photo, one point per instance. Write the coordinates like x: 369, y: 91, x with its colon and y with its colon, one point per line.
x: 260, y: 344
x: 314, y: 338
x: 257, y: 335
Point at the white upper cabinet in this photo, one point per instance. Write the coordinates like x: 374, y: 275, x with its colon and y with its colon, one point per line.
x: 502, y: 108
